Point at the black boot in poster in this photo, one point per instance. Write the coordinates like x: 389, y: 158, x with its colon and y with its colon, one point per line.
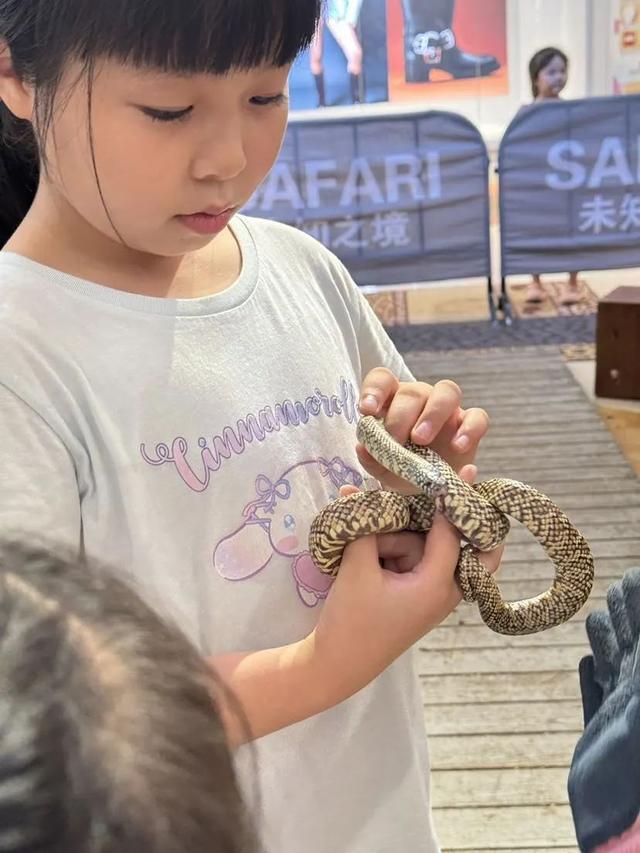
x: 355, y: 82
x: 429, y: 42
x: 415, y: 68
x: 320, y: 90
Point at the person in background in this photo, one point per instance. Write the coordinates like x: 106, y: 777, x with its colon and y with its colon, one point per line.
x: 548, y: 70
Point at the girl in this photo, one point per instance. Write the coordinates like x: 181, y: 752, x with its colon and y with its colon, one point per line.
x: 548, y: 72
x: 179, y: 387
x: 90, y: 675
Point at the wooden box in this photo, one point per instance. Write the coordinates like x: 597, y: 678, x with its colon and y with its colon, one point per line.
x: 618, y: 344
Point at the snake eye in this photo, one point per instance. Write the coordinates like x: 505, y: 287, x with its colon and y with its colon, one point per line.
x: 289, y: 522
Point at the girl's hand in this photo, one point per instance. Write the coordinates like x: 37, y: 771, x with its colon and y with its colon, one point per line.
x: 373, y: 615
x: 425, y: 414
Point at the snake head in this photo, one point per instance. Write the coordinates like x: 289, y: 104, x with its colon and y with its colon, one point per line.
x: 420, y: 466
x: 430, y: 480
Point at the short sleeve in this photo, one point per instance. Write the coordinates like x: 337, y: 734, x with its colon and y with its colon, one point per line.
x: 375, y: 346
x: 39, y: 496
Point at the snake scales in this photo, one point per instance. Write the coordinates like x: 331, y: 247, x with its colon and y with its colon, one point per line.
x: 479, y: 512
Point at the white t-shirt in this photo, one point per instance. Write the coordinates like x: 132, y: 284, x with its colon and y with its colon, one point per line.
x: 190, y: 443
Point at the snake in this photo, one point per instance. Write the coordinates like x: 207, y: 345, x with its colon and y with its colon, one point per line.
x: 481, y: 514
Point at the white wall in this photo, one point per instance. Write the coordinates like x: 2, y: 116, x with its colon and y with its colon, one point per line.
x: 601, y: 46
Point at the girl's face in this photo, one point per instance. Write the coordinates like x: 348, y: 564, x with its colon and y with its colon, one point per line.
x: 552, y: 79
x: 165, y: 147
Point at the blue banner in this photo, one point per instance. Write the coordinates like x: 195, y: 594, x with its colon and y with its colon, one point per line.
x: 399, y: 199
x: 570, y: 186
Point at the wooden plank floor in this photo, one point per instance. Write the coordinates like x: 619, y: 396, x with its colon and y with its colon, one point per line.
x: 504, y: 713
x: 625, y: 426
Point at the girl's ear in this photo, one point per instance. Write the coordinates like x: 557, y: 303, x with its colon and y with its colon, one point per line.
x: 16, y: 95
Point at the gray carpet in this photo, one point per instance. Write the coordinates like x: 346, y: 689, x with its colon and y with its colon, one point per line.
x: 483, y: 335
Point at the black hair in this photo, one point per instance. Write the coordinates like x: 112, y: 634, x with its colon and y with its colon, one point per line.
x: 539, y: 62
x: 109, y: 737
x: 181, y: 36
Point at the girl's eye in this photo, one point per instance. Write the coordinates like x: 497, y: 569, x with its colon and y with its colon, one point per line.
x: 166, y: 115
x: 289, y: 522
x: 273, y: 100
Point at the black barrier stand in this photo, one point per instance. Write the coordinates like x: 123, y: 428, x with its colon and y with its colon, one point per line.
x: 503, y: 303
x: 494, y: 307
x: 493, y: 316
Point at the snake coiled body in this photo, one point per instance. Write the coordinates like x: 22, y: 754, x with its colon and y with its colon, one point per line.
x: 479, y: 512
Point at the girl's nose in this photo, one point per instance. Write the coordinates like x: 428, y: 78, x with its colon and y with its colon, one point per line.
x: 221, y: 155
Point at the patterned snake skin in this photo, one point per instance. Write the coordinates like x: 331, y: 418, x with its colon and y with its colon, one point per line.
x: 479, y: 512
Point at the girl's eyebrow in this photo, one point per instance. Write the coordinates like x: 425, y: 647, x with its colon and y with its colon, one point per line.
x: 157, y: 75
x: 153, y: 78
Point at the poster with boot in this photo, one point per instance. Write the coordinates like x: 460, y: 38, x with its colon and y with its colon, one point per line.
x: 374, y: 51
x: 446, y: 48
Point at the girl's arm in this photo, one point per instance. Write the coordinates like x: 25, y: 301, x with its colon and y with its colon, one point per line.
x: 371, y: 617
x: 272, y: 689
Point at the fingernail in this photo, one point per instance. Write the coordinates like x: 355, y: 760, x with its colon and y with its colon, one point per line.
x: 462, y: 442
x: 423, y: 431
x: 369, y: 402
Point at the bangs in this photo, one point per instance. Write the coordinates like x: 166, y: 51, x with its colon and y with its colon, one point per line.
x: 182, y: 36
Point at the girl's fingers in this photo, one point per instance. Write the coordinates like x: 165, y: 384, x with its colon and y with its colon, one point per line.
x: 401, y: 551
x: 468, y: 473
x: 378, y: 388
x: 444, y: 401
x: 491, y: 559
x: 406, y: 408
x: 358, y: 559
x: 345, y: 491
x: 474, y: 426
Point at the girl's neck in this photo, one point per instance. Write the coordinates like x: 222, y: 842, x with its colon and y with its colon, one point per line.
x: 55, y: 235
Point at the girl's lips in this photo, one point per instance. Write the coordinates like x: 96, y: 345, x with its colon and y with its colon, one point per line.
x: 207, y: 223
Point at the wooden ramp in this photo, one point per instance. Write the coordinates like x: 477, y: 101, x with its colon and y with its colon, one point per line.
x: 504, y: 713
